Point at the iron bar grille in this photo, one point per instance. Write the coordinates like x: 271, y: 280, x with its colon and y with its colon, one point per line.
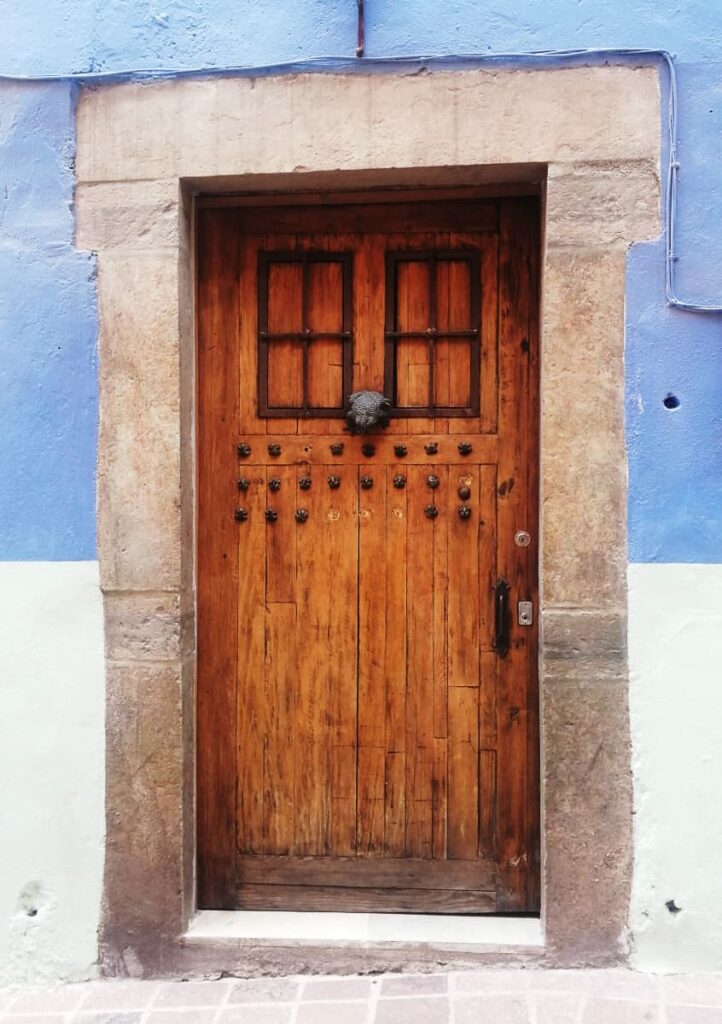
x: 305, y: 336
x: 432, y: 333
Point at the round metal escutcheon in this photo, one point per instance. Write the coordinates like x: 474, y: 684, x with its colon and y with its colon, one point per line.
x: 522, y: 539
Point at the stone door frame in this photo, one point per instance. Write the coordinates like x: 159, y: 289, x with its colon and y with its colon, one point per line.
x: 590, y: 139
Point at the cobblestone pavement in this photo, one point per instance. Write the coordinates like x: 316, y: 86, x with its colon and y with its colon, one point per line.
x: 483, y: 997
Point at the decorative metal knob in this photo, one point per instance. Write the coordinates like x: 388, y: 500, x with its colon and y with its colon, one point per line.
x: 244, y: 450
x: 368, y: 449
x: 304, y: 483
x: 274, y: 483
x: 274, y: 449
x: 464, y: 492
x: 301, y: 515
x: 464, y: 448
x: 240, y: 515
x: 366, y: 482
x: 432, y: 481
x: 431, y: 511
x: 399, y: 482
x: 337, y: 448
x: 431, y: 448
x: 243, y: 483
x: 334, y: 482
x: 464, y: 512
x: 367, y: 411
x: 271, y: 515
x: 400, y: 451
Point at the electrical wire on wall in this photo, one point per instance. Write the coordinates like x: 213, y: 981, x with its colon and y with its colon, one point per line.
x: 535, y: 58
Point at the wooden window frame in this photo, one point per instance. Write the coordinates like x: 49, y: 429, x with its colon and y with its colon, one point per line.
x: 391, y: 336
x: 305, y: 336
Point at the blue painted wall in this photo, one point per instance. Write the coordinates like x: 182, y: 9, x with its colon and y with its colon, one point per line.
x: 48, y: 322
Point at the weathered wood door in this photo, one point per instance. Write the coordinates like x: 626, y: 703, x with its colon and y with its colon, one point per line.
x: 366, y: 741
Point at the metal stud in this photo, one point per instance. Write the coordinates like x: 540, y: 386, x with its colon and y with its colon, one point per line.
x: 399, y: 482
x: 431, y: 511
x: 274, y: 449
x: 367, y: 483
x: 431, y: 448
x: 243, y: 483
x: 334, y: 482
x: 271, y: 515
x: 400, y: 450
x: 464, y: 448
x: 244, y: 450
x: 274, y: 483
x: 240, y: 515
x: 464, y: 492
x: 464, y: 512
x: 432, y: 481
x: 301, y: 515
x: 337, y: 448
x: 368, y: 449
x: 305, y: 483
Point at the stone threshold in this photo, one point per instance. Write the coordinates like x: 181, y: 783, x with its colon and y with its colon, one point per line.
x: 298, y: 927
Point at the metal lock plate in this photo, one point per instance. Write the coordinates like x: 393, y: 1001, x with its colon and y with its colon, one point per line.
x: 525, y: 614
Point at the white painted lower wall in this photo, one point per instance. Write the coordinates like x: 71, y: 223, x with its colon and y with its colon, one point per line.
x: 51, y: 770
x: 52, y: 782
x: 675, y: 647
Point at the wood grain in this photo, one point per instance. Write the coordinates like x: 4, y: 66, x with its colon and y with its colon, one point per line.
x: 218, y: 569
x: 361, y: 744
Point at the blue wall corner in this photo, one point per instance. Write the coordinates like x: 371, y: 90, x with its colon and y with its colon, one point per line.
x: 48, y: 336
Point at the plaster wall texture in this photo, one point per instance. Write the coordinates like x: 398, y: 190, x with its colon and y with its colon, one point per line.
x: 48, y: 407
x: 51, y: 770
x: 675, y: 650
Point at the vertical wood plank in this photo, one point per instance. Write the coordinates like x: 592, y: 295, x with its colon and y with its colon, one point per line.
x: 311, y: 746
x: 325, y: 355
x: 439, y: 639
x: 395, y: 696
x: 369, y: 311
x: 372, y: 667
x: 279, y: 721
x: 517, y: 488
x: 281, y: 535
x: 488, y: 364
x: 251, y: 632
x: 244, y: 305
x: 420, y: 666
x: 341, y: 654
x: 218, y: 368
x: 463, y: 640
x: 285, y: 362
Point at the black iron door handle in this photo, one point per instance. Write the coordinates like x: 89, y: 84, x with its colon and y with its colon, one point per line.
x: 501, y: 617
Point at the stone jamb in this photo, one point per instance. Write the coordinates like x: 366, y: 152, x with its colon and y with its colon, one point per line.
x: 142, y: 151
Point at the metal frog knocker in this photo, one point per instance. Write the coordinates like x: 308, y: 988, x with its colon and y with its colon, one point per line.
x: 367, y: 411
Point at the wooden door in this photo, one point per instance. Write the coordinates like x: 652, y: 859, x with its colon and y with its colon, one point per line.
x: 367, y: 696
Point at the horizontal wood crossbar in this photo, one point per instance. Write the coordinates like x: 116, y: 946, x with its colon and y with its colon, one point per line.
x: 315, y: 449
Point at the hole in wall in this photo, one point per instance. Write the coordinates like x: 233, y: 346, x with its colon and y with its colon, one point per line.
x: 671, y: 401
x: 672, y: 907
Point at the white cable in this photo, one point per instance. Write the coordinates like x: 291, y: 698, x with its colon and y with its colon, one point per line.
x: 342, y: 63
